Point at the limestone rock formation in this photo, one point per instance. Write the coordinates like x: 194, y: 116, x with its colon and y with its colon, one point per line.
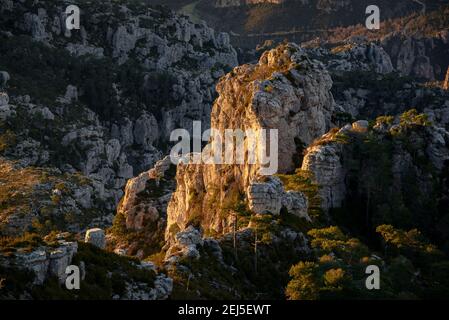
x: 269, y: 196
x: 354, y: 55
x: 46, y: 262
x: 140, y: 210
x: 143, y: 209
x: 185, y: 245
x: 265, y: 197
x: 284, y: 91
x: 162, y: 289
x: 323, y: 159
x: 68, y: 198
x: 416, y: 56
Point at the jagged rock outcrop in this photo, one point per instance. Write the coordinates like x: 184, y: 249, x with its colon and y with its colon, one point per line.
x: 83, y: 145
x: 143, y: 209
x: 138, y: 209
x: 323, y: 159
x: 185, y: 245
x: 418, y: 56
x: 353, y: 55
x: 367, y: 88
x: 157, y: 38
x: 162, y: 289
x: 284, y: 91
x: 47, y: 195
x: 402, y: 51
x: 269, y: 197
x: 46, y: 262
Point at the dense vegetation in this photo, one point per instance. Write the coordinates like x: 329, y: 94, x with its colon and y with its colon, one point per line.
x: 410, y: 268
x: 415, y: 197
x: 386, y: 219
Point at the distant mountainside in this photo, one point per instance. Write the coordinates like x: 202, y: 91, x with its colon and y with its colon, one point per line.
x: 253, y: 22
x: 417, y: 44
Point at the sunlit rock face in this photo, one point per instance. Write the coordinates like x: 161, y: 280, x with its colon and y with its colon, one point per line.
x: 446, y: 81
x: 285, y: 91
x: 324, y: 161
x: 143, y: 210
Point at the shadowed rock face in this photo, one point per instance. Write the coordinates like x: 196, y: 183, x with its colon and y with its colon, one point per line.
x: 284, y: 91
x: 330, y: 157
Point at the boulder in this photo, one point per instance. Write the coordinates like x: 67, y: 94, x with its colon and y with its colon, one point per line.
x: 360, y: 126
x: 266, y: 197
x: 96, y: 237
x: 296, y: 203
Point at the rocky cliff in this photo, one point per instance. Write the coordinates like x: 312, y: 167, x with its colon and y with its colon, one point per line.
x: 421, y: 57
x: 141, y: 217
x: 284, y: 91
x: 409, y: 148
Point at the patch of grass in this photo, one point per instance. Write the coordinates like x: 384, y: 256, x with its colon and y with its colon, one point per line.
x: 28, y: 241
